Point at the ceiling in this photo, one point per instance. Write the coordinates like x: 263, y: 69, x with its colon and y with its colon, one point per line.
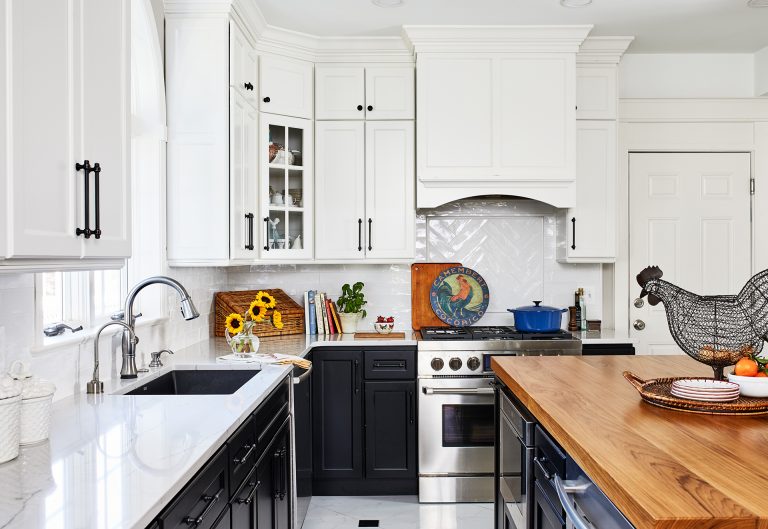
x: 660, y: 26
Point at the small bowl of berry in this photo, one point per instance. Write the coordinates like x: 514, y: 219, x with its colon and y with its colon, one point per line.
x: 384, y: 325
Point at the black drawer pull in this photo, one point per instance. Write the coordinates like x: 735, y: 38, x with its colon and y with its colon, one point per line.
x: 541, y: 461
x: 97, y: 195
x: 266, y: 240
x: 211, y: 500
x: 240, y: 460
x: 248, y: 499
x: 249, y: 222
x: 410, y: 406
x: 370, y: 242
x: 370, y: 107
x: 359, y: 235
x: 573, y: 243
x: 86, y: 168
x: 388, y: 364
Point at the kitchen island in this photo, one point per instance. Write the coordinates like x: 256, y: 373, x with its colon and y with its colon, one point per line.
x: 663, y: 469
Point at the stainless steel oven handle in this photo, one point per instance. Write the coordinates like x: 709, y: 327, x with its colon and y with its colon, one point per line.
x: 564, y: 490
x: 458, y: 391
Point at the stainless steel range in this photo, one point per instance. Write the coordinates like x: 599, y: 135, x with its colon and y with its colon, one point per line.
x: 456, y: 405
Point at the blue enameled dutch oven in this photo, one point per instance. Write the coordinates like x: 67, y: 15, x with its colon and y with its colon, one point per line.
x: 535, y: 318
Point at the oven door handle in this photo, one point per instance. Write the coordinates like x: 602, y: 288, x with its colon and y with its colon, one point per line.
x: 566, y: 489
x: 458, y: 391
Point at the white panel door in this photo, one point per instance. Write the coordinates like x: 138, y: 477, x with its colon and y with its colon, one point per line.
x: 536, y: 109
x: 105, y: 110
x: 689, y: 215
x: 455, y: 138
x: 389, y: 92
x: 591, y: 225
x: 243, y: 68
x: 286, y: 86
x: 339, y: 189
x: 596, y: 92
x: 244, y: 224
x: 339, y: 92
x: 389, y: 189
x: 46, y: 191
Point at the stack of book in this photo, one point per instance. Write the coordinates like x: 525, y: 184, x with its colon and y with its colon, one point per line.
x: 321, y: 316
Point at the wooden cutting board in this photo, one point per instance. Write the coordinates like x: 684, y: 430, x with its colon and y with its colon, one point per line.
x: 422, y: 276
x: 377, y: 336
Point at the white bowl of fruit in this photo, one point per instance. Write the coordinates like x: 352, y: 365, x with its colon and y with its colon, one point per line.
x: 751, y: 376
x: 384, y: 325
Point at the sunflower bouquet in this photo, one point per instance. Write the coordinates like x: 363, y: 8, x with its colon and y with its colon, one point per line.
x: 239, y: 327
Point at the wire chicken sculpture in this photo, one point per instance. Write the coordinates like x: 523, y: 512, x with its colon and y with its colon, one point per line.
x: 715, y: 330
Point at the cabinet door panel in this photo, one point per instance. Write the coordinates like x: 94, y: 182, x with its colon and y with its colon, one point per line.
x: 389, y: 92
x: 337, y: 417
x: 389, y: 189
x: 596, y: 92
x: 105, y: 107
x: 243, y: 147
x: 536, y: 112
x: 339, y: 91
x: 340, y: 189
x: 455, y: 138
x: 390, y: 429
x: 243, y: 70
x: 286, y: 87
x: 45, y: 201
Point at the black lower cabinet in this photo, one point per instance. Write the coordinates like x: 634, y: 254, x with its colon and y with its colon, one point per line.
x: 224, y: 521
x: 244, y: 503
x: 544, y: 515
x: 273, y: 473
x: 364, y: 421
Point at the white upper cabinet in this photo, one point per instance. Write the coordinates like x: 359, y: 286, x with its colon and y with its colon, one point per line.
x: 243, y: 65
x: 352, y: 92
x: 587, y: 232
x: 389, y: 189
x: 596, y: 92
x: 339, y: 92
x: 67, y: 90
x: 286, y: 86
x: 244, y: 179
x: 339, y: 189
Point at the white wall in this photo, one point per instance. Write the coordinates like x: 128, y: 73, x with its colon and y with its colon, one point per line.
x: 687, y: 75
x: 761, y: 72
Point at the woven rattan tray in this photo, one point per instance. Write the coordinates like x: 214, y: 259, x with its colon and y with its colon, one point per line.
x: 658, y: 392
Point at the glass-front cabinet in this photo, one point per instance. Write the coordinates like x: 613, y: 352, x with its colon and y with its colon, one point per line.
x: 286, y: 188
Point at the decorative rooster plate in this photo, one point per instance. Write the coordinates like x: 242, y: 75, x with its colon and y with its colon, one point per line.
x: 459, y: 296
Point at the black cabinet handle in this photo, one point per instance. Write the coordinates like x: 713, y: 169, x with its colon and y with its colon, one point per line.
x: 357, y: 378
x: 97, y: 212
x: 86, y: 168
x: 410, y: 406
x: 573, y: 245
x: 189, y: 520
x: 248, y: 499
x: 249, y: 228
x: 249, y: 450
x: 370, y: 242
x: 541, y: 461
x: 248, y: 86
x: 359, y: 235
x: 370, y: 107
x: 360, y: 107
x: 283, y: 474
x: 266, y: 239
x: 277, y: 477
x: 266, y: 100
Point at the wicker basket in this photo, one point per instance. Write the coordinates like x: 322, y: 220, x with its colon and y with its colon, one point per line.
x: 239, y: 301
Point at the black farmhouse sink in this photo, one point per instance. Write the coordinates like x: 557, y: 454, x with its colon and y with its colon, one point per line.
x: 196, y: 382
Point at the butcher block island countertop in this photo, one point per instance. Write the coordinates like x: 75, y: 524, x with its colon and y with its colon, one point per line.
x: 661, y: 468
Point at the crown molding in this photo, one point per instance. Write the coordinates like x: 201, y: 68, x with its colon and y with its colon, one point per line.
x: 603, y: 50
x: 495, y: 38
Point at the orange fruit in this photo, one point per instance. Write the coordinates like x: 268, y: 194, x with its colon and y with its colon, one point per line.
x: 746, y: 367
x: 761, y: 374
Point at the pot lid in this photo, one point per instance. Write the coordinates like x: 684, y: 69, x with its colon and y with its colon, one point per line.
x: 9, y: 388
x: 536, y: 307
x: 31, y: 387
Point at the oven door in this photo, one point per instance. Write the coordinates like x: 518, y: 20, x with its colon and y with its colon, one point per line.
x: 456, y: 426
x: 515, y: 462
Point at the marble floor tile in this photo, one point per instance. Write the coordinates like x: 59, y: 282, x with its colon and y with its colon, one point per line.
x: 395, y: 512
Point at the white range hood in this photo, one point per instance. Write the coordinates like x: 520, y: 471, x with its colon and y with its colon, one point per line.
x: 496, y: 112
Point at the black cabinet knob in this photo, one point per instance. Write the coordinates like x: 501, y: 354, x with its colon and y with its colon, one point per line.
x: 266, y: 100
x: 370, y: 107
x: 360, y: 107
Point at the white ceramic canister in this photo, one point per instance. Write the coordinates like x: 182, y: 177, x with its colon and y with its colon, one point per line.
x: 36, y: 398
x: 10, y: 418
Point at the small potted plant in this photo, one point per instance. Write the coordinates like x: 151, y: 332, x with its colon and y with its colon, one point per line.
x: 350, y: 305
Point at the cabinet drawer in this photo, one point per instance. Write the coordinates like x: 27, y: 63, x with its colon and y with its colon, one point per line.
x: 382, y: 364
x: 242, y: 454
x: 244, y: 502
x: 203, y: 500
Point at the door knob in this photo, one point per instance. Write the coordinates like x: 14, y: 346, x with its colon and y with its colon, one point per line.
x: 639, y: 303
x: 639, y: 325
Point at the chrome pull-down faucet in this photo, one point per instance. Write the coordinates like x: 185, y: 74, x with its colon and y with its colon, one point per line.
x: 188, y: 311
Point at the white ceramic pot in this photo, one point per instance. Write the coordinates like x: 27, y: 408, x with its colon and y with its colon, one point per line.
x: 349, y: 321
x: 36, y: 398
x: 10, y: 418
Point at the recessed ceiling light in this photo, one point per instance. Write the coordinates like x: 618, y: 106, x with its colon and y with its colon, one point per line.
x: 387, y: 3
x: 757, y: 3
x: 575, y: 3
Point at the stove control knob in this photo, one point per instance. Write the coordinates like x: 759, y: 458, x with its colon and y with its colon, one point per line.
x: 454, y: 363
x: 437, y: 364
x: 473, y: 363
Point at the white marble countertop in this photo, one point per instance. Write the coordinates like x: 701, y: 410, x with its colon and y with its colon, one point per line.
x: 115, y: 461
